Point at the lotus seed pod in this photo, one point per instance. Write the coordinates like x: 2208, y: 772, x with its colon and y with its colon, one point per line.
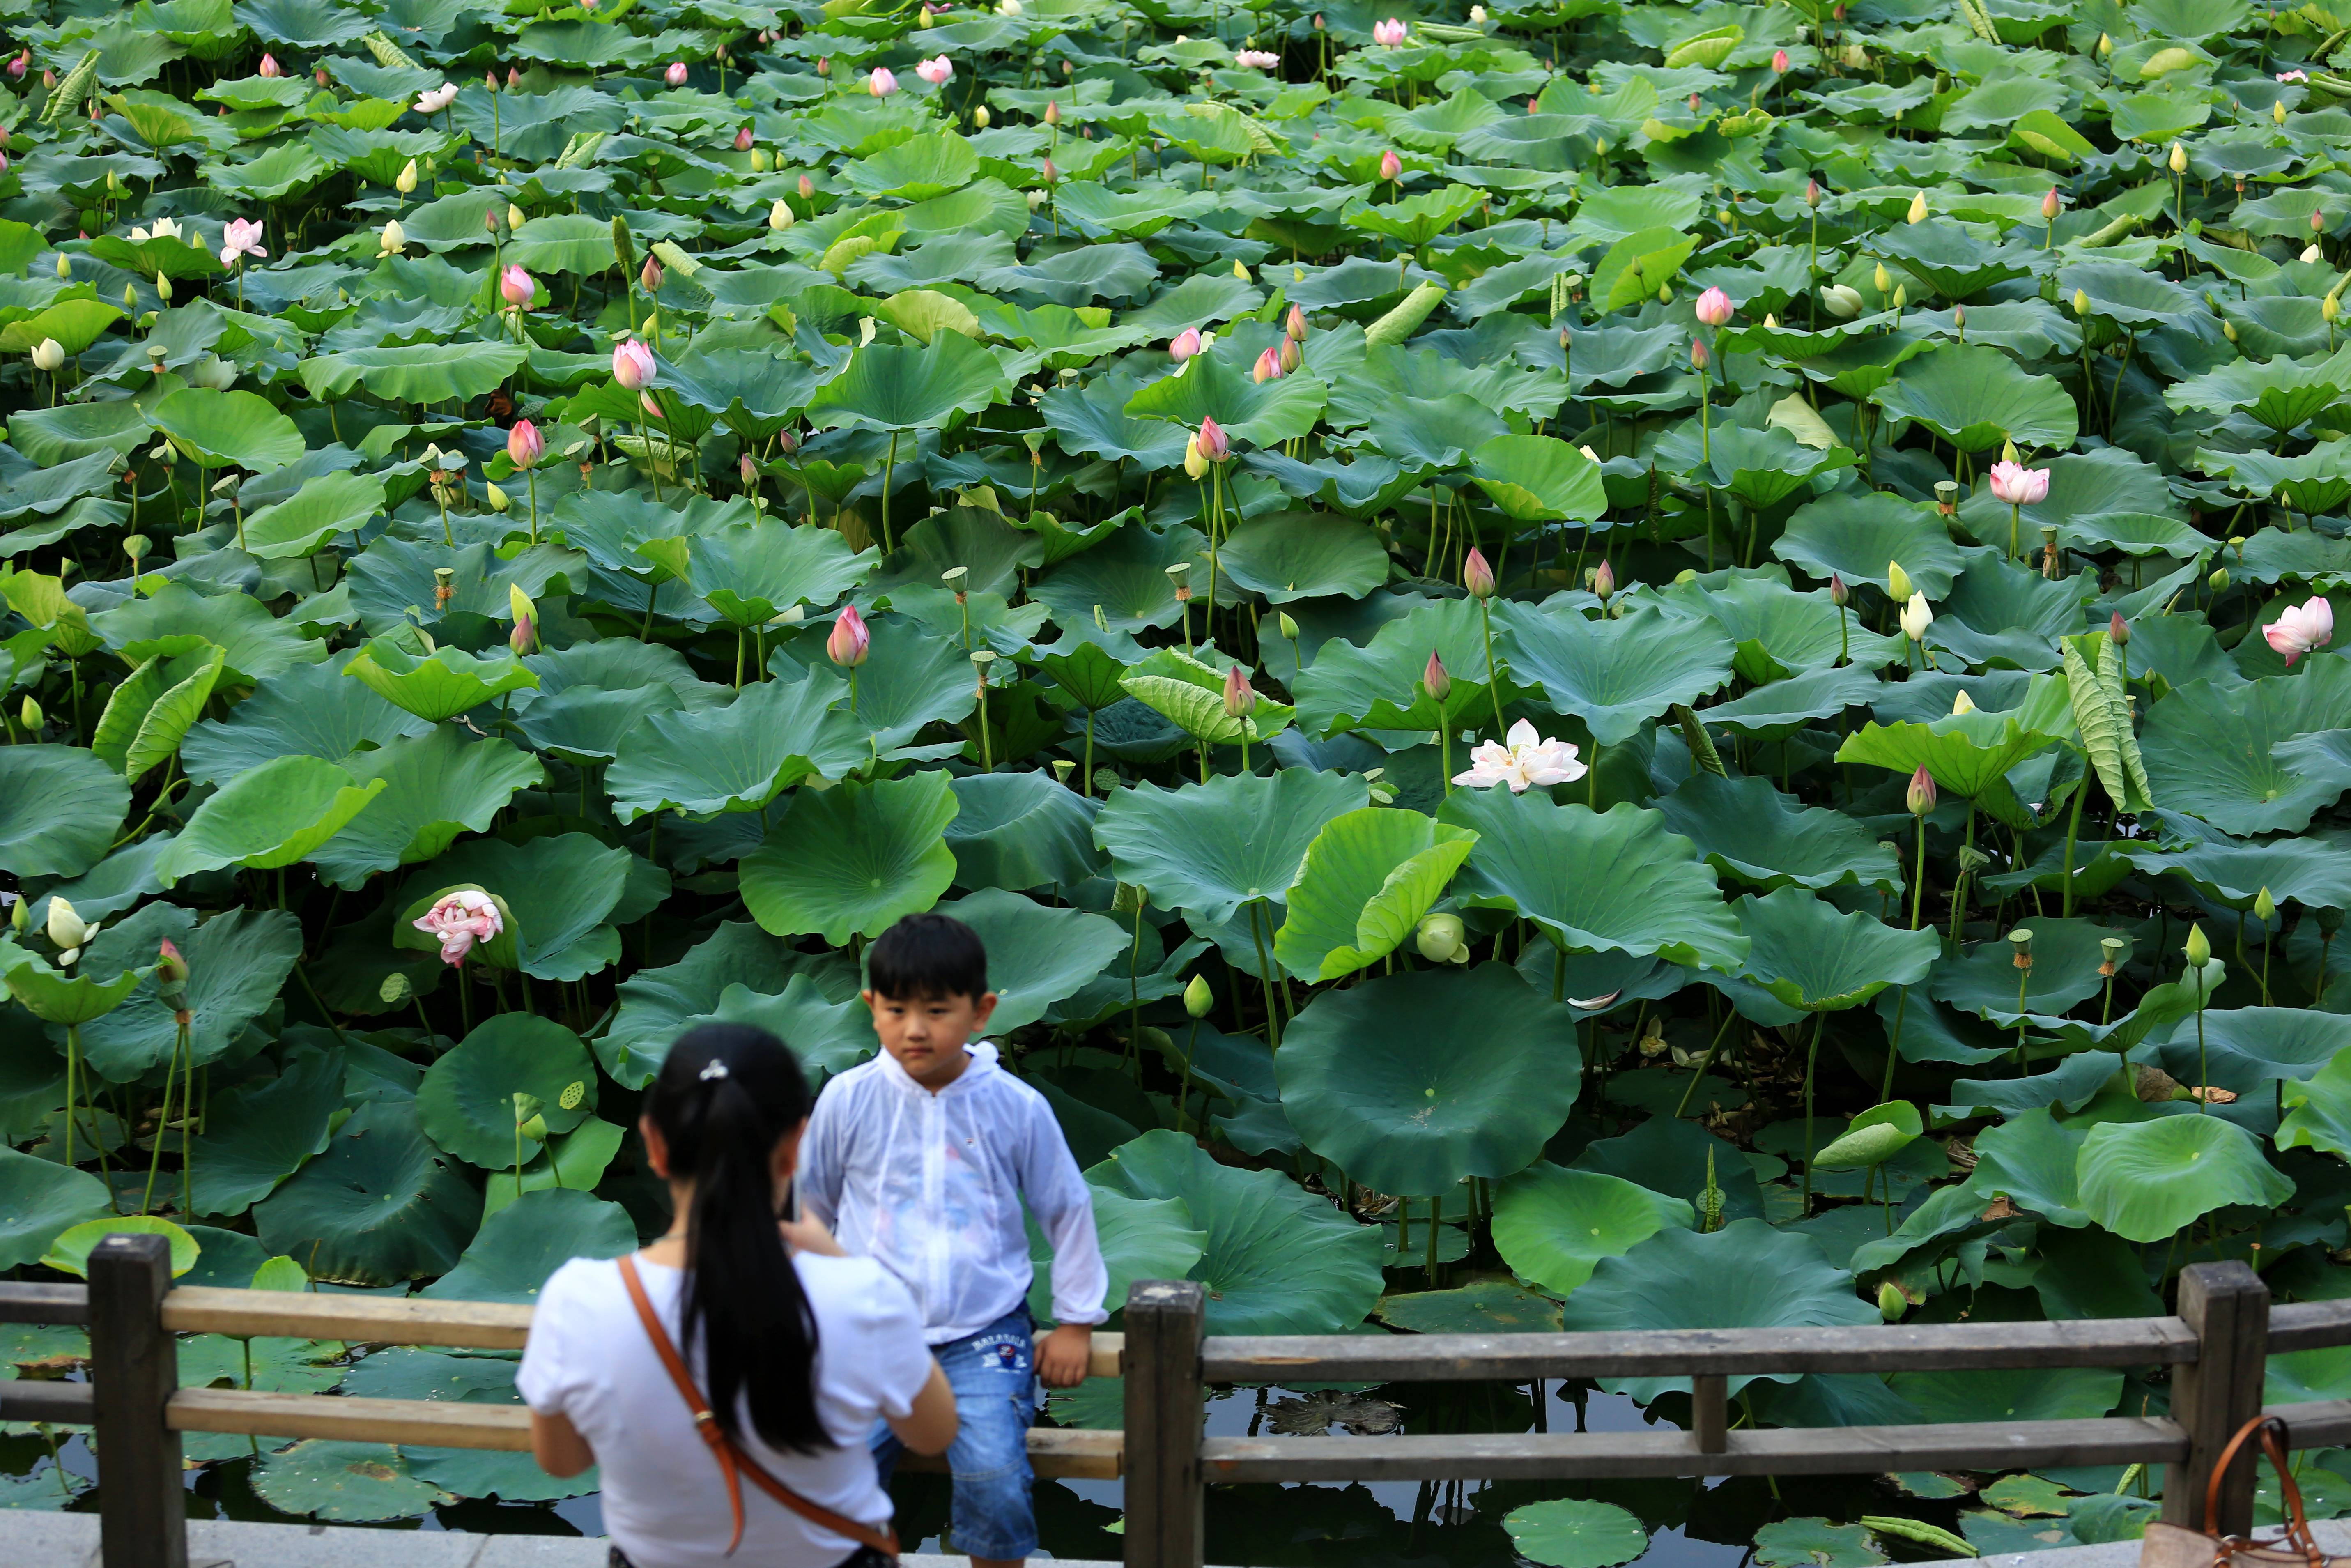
x: 136, y: 547
x: 2020, y: 939
x: 2112, y: 947
x: 1197, y: 997
x: 395, y: 988
x: 2197, y: 947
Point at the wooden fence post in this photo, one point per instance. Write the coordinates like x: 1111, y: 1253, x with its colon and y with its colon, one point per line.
x: 1164, y: 1415
x: 2228, y: 1307
x: 135, y: 1366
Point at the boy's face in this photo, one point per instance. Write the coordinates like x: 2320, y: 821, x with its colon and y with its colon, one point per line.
x: 926, y: 1035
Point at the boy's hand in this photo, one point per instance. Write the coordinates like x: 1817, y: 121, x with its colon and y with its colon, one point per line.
x: 1062, y: 1359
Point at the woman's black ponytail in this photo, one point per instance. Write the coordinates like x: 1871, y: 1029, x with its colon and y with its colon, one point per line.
x: 726, y: 1096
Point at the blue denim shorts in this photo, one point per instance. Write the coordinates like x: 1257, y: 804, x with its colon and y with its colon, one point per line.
x: 994, y: 1375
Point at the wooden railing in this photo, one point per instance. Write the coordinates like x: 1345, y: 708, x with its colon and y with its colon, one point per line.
x: 2216, y: 1348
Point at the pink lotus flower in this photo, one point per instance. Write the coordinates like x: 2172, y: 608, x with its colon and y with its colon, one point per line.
x: 1268, y: 367
x: 525, y: 445
x: 1714, y: 307
x: 242, y: 238
x: 2020, y: 486
x: 1390, y: 165
x: 2301, y: 628
x: 517, y: 288
x: 1388, y: 34
x: 17, y: 67
x: 459, y: 920
x: 2294, y: 76
x: 882, y: 82
x: 1477, y: 576
x: 270, y: 67
x: 1186, y: 344
x: 1779, y: 62
x: 849, y: 640
x: 632, y: 364
x: 676, y: 75
x: 1213, y: 444
x: 1527, y: 761
x: 936, y: 71
x: 1257, y: 59
x: 743, y: 139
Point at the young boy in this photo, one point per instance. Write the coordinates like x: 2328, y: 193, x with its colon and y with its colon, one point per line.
x: 921, y: 1159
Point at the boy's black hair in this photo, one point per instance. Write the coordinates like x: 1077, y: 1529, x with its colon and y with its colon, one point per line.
x: 927, y: 957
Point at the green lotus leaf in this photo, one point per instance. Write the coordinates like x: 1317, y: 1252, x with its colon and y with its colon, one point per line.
x: 826, y: 1036
x: 1124, y: 580
x: 309, y: 709
x: 563, y: 889
x: 1572, y: 1532
x: 177, y: 619
x: 60, y: 806
x: 850, y: 861
x: 1595, y: 881
x: 1483, y: 1306
x: 1854, y: 535
x: 151, y: 710
x: 440, y: 686
x: 1976, y: 397
x: 466, y: 1105
x: 2281, y: 393
x: 1537, y: 479
x: 1809, y: 955
x: 41, y: 1199
x: 237, y: 959
x: 1746, y: 1275
x: 886, y: 387
x: 381, y: 1205
x: 2146, y: 1181
x: 227, y: 429
x: 2064, y: 973
x: 2244, y: 1048
x: 258, y: 1134
x: 737, y: 759
x: 1406, y: 1084
x: 529, y: 1239
x: 1554, y: 1225
x: 1289, y: 556
x: 1751, y: 832
x: 1217, y: 385
x: 2318, y: 1110
x: 1278, y: 1259
x: 2309, y: 871
x: 1815, y: 1543
x: 915, y: 170
x: 69, y: 1253
x: 2040, y: 1394
x: 71, y: 998
x: 348, y: 1482
x: 1872, y: 1138
x: 269, y: 816
x: 2208, y: 750
x: 436, y: 786
x: 752, y: 571
x: 418, y: 373
x: 1367, y: 879
x: 1780, y: 632
x: 654, y: 1004
x: 1036, y: 955
x: 325, y: 506
x: 1021, y: 830
x: 1191, y: 693
x: 1209, y: 849
x: 1614, y: 674
x: 575, y: 1161
x: 1968, y: 754
x: 1376, y: 684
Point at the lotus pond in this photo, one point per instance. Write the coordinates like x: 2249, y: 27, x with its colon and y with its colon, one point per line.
x: 1724, y: 713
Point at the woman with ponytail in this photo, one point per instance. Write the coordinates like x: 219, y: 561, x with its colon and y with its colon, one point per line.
x: 725, y: 1377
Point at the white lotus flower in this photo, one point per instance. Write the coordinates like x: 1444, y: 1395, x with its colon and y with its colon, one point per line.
x: 1527, y: 761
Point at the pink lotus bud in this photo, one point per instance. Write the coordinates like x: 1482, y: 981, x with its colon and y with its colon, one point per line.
x: 461, y: 919
x: 1291, y: 356
x: 1053, y: 113
x: 787, y: 442
x: 1699, y: 358
x: 1389, y: 34
x: 17, y: 67
x: 517, y: 288
x: 645, y: 400
x: 319, y: 75
x: 171, y: 969
x: 1049, y: 172
x: 2118, y: 630
x: 743, y: 139
x: 649, y: 277
x: 1604, y: 580
x: 490, y: 80
x: 824, y: 65
x: 270, y: 67
x: 1714, y: 307
x: 676, y: 75
x: 49, y: 80
x: 1213, y: 444
x: 1390, y: 165
x: 525, y: 445
x: 524, y: 638
x: 1294, y: 325
x: 849, y: 642
x: 2316, y: 223
x: 1186, y: 343
x: 1240, y: 697
x: 748, y: 470
x: 808, y: 189
x: 1779, y: 62
x: 1268, y: 367
x: 1433, y: 680
x: 1920, y: 796
x: 1694, y: 101
x: 1812, y: 192
x: 882, y: 82
x: 936, y: 72
x: 2050, y: 206
x: 632, y: 364
x: 1839, y: 594
x: 1477, y: 576
x: 514, y: 78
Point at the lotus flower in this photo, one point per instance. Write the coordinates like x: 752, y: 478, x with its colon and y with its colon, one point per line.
x: 1527, y: 761
x: 849, y: 640
x: 17, y: 67
x: 525, y: 445
x: 2051, y: 205
x: 460, y: 919
x: 779, y: 216
x: 649, y: 277
x: 1257, y: 59
x: 65, y: 927
x: 676, y: 75
x: 1779, y: 62
x: 1195, y: 465
x: 1390, y: 165
x: 1268, y: 367
x: 1186, y: 343
x: 2118, y: 630
x: 1920, y: 796
x: 1442, y: 939
x: 1294, y: 326
x: 882, y: 82
x: 164, y: 228
x: 1214, y: 447
x: 936, y: 71
x: 1388, y: 34
x: 1842, y: 301
x: 1240, y: 697
x: 632, y: 364
x: 1477, y: 576
x: 743, y: 139
x: 1917, y: 617
x: 1699, y: 358
x: 2020, y: 486
x: 2301, y: 628
x: 439, y: 99
x: 270, y: 67
x: 1714, y: 307
x: 2294, y: 76
x: 50, y: 355
x: 1435, y: 680
x: 1291, y: 358
x: 393, y: 240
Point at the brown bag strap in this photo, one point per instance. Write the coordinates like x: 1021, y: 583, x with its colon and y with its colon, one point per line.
x: 2273, y: 1437
x: 732, y: 1462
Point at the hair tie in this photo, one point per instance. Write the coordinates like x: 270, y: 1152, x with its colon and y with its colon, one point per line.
x: 712, y: 1068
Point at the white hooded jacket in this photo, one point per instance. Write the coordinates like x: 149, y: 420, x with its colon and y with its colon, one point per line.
x: 931, y: 1185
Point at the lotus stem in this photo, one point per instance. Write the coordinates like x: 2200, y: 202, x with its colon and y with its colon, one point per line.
x: 2203, y: 1066
x: 533, y: 504
x: 2015, y: 512
x: 1894, y: 1046
x: 1959, y: 889
x: 1493, y: 685
x: 1184, y: 1098
x: 889, y: 466
x: 2072, y: 832
x: 1712, y: 1045
x: 1811, y: 1058
x: 163, y: 1119
x: 1435, y: 1211
x: 1086, y: 779
x: 1265, y: 974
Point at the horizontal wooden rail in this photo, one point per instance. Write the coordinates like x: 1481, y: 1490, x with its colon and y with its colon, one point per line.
x: 1822, y: 1450
x: 1518, y: 1357
x: 2317, y: 1424
x: 67, y: 1304
x: 38, y: 1399
x: 2309, y: 1325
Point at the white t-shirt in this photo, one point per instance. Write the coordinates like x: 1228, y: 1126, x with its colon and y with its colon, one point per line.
x: 665, y: 1498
